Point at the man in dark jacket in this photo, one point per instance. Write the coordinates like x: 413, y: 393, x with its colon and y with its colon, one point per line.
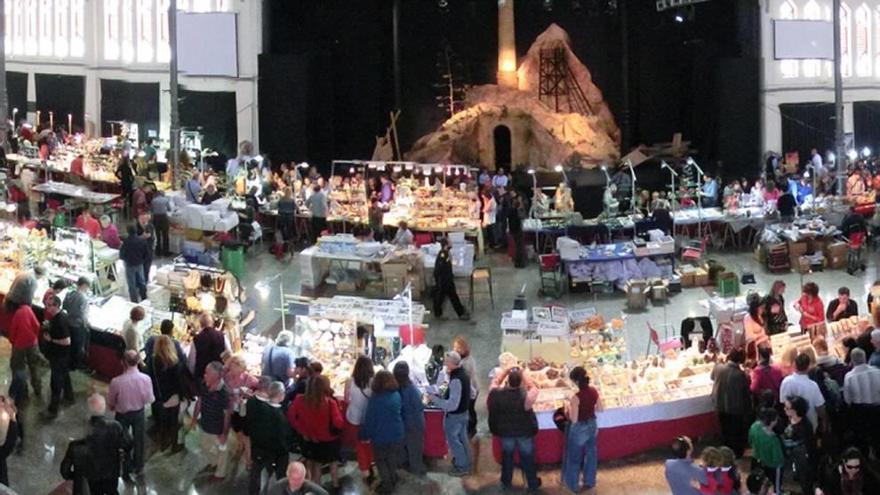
x: 134, y: 252
x: 106, y: 440
x: 444, y: 283
x: 512, y: 419
x: 77, y: 465
x: 208, y: 346
x: 56, y: 335
x: 732, y: 400
x: 270, y: 434
x: 842, y: 307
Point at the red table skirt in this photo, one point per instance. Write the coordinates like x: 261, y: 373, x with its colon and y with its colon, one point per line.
x: 622, y: 441
x: 435, y: 440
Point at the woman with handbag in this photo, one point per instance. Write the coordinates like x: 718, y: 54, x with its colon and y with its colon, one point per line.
x: 581, y: 434
x: 316, y: 416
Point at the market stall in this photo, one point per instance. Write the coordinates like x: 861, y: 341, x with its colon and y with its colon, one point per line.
x: 614, y: 265
x: 648, y: 400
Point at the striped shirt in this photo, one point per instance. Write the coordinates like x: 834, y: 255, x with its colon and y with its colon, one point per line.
x: 862, y: 385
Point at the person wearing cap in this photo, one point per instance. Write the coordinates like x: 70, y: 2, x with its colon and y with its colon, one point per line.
x: 76, y: 305
x: 455, y: 404
x: 842, y: 307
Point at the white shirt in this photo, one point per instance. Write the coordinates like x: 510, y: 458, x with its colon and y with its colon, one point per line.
x: 862, y: 385
x: 357, y: 403
x: 802, y: 386
x: 403, y: 238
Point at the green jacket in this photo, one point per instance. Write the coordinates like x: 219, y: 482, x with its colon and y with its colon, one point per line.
x: 766, y: 447
x: 268, y: 428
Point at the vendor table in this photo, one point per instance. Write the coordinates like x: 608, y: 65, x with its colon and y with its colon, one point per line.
x: 75, y: 192
x: 628, y: 431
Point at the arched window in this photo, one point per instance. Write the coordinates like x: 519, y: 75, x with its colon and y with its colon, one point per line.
x: 128, y: 31
x: 789, y: 68
x: 863, y: 56
x: 44, y: 28
x: 77, y: 28
x: 163, y: 49
x: 145, y: 36
x: 111, y: 30
x: 812, y: 67
x: 62, y: 28
x: 31, y: 42
x: 846, y: 48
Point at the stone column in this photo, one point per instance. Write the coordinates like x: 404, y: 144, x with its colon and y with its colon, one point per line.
x: 506, y: 46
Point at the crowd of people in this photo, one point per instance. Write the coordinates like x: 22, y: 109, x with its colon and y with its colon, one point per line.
x: 806, y: 415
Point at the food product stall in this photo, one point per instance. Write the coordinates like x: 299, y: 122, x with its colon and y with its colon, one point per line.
x: 647, y: 401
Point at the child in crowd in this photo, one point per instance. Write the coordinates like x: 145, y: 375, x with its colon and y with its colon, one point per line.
x: 711, y: 460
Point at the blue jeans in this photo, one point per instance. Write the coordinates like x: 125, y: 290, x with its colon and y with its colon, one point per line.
x: 526, y: 448
x: 133, y: 461
x: 137, y: 285
x: 580, y: 455
x: 455, y: 427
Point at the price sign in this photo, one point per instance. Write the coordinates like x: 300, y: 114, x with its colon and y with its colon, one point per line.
x: 581, y: 315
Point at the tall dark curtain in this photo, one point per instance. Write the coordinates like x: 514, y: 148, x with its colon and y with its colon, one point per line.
x: 133, y: 102
x: 214, y: 114
x: 866, y: 123
x: 62, y: 95
x: 16, y: 92
x: 806, y: 126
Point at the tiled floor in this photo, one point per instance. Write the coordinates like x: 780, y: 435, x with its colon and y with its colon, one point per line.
x: 35, y: 470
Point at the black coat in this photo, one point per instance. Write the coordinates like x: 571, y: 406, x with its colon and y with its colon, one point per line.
x: 443, y: 276
x: 106, y: 440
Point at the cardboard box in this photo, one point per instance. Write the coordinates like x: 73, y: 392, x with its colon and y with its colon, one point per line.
x: 796, y: 249
x: 636, y: 294
x: 802, y: 265
x: 701, y: 277
x: 836, y: 248
x: 687, y: 279
x: 760, y: 255
x: 837, y: 262
x: 818, y: 245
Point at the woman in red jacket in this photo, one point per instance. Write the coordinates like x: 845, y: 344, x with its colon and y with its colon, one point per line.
x: 810, y: 306
x: 317, y: 417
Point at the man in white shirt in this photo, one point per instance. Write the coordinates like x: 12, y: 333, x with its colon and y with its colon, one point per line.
x: 404, y: 236
x: 862, y: 384
x: 861, y: 390
x: 816, y: 162
x: 801, y: 385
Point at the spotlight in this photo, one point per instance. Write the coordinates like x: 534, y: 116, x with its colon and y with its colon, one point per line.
x: 866, y: 152
x: 678, y: 18
x: 548, y: 5
x: 852, y: 154
x: 443, y: 4
x: 351, y: 171
x: 558, y: 168
x: 531, y: 171
x: 831, y: 157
